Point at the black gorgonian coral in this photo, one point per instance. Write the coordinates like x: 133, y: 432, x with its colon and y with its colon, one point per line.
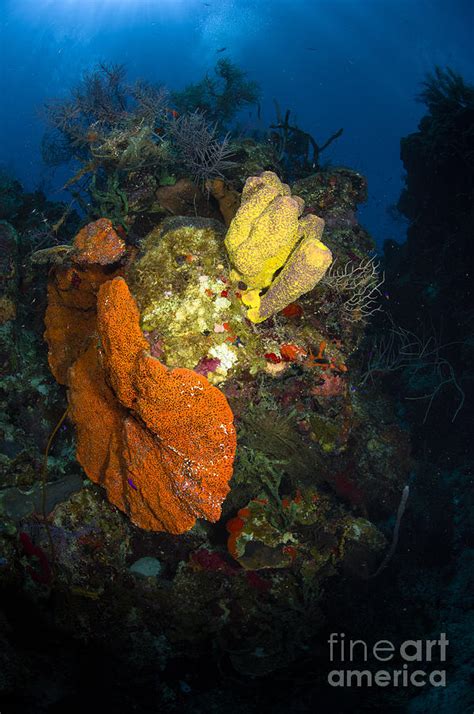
x: 200, y: 150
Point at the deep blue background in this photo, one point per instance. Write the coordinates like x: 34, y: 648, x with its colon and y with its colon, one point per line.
x: 368, y: 61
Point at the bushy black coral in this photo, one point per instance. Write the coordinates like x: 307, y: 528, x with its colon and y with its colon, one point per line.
x: 220, y: 97
x: 199, y: 147
x: 444, y: 91
x: 103, y: 111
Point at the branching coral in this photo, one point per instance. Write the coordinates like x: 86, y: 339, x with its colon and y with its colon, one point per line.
x: 200, y: 150
x: 296, y: 149
x: 101, y: 103
x: 128, y: 134
x: 220, y: 97
x: 102, y: 93
x: 113, y: 130
x: 130, y: 147
x: 419, y: 360
x: 444, y: 90
x: 152, y: 102
x: 357, y: 287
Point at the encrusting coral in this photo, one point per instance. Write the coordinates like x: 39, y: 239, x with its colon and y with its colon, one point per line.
x: 268, y: 234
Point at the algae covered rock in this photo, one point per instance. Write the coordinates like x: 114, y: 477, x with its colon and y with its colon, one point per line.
x: 194, y: 315
x: 335, y: 195
x: 146, y: 567
x: 9, y: 272
x: 308, y: 531
x: 335, y: 191
x: 190, y: 312
x: 250, y: 159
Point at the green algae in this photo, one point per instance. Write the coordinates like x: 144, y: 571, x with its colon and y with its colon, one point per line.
x: 326, y: 432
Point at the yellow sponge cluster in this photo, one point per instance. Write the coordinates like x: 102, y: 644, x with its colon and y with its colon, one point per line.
x: 264, y: 231
x: 268, y: 234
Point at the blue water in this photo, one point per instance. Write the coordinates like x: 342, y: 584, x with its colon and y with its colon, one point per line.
x: 355, y: 64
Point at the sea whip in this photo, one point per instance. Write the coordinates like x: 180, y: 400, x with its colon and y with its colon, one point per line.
x: 396, y: 530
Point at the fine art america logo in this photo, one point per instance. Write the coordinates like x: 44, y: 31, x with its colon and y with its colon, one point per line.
x: 412, y: 663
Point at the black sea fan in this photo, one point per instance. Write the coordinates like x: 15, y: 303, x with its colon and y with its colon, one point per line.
x: 444, y: 92
x: 201, y: 151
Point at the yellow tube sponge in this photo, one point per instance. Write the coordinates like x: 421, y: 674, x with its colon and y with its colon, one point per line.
x: 268, y: 235
x: 257, y: 194
x: 264, y: 231
x: 304, y: 269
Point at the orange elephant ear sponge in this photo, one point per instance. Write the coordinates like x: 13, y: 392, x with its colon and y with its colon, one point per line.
x: 118, y: 323
x: 98, y: 244
x: 70, y: 318
x: 72, y: 294
x: 162, y: 442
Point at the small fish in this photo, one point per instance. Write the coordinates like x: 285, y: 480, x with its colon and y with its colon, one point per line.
x: 222, y: 49
x: 311, y: 49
